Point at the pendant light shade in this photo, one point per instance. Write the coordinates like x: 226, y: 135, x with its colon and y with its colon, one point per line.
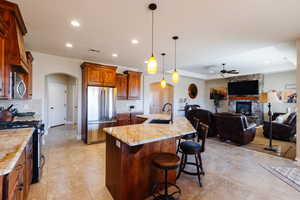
x: 152, y: 65
x: 163, y: 82
x: 152, y: 62
x: 175, y: 74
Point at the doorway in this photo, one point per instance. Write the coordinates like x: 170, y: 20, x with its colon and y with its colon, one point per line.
x: 160, y: 96
x: 61, y: 100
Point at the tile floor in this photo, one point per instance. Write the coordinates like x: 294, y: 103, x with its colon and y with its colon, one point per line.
x: 75, y: 171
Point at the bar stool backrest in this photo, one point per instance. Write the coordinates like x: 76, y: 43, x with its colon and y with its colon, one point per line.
x: 202, y: 131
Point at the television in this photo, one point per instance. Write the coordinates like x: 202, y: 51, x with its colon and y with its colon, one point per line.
x: 243, y: 88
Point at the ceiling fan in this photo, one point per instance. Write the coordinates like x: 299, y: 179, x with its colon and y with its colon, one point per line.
x: 224, y: 71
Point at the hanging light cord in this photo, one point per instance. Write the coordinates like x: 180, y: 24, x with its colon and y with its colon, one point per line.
x: 175, y: 56
x: 163, y: 64
x: 152, y: 31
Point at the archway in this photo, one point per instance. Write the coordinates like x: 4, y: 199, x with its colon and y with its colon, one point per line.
x: 61, y: 99
x: 159, y: 96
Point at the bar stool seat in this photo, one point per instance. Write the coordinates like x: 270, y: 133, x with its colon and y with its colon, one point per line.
x: 166, y: 161
x: 190, y: 147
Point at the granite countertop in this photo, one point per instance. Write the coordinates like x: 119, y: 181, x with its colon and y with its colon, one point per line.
x: 145, y: 133
x: 29, y: 118
x: 12, y: 144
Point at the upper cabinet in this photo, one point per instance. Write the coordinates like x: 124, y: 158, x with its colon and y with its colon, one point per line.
x: 99, y: 75
x: 129, y: 85
x: 12, y: 51
x: 122, y: 86
x: 16, y: 29
x: 134, y: 85
x: 3, y: 35
x: 29, y: 77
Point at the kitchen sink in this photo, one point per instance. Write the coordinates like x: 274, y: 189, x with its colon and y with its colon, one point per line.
x: 159, y: 121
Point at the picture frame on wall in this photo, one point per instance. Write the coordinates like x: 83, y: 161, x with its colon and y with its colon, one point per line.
x: 219, y: 93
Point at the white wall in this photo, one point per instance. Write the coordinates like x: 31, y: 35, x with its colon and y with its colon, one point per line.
x: 278, y: 82
x: 180, y: 91
x: 44, y: 65
x: 272, y: 81
x: 218, y: 83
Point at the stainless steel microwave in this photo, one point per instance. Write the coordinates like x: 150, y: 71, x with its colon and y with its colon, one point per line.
x: 18, y: 86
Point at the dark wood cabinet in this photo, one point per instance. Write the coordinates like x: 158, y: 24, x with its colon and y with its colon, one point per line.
x: 99, y: 75
x: 12, y: 49
x: 121, y: 86
x: 124, y: 119
x: 29, y: 76
x: 1, y: 187
x: 16, y: 55
x: 129, y: 85
x: 16, y: 184
x: 3, y: 72
x: 134, y: 85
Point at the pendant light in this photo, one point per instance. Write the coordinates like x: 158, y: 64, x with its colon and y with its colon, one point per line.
x: 152, y: 62
x: 163, y: 82
x: 175, y: 74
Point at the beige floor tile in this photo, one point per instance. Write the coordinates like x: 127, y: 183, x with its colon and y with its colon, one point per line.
x: 75, y: 171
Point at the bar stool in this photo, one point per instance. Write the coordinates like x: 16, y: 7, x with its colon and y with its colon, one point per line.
x: 194, y: 148
x: 191, y: 136
x: 166, y: 161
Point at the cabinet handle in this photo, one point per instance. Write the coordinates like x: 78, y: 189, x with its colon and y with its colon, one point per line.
x: 21, y: 187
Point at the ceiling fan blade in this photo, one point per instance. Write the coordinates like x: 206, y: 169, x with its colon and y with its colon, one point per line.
x: 233, y: 71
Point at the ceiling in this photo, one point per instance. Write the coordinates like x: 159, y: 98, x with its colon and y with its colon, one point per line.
x: 249, y: 35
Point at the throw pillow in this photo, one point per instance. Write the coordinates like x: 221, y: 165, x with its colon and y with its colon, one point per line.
x: 279, y: 119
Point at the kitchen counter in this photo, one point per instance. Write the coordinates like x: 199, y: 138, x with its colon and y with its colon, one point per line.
x: 12, y: 144
x: 145, y: 133
x: 130, y: 174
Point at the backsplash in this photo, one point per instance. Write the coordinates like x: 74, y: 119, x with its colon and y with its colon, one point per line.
x: 123, y: 106
x: 34, y: 105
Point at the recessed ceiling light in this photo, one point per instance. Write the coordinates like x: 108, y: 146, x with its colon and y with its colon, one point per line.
x: 114, y: 55
x: 134, y: 41
x: 75, y: 23
x: 69, y: 45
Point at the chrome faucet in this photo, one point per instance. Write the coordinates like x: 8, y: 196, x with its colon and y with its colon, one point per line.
x: 172, y: 110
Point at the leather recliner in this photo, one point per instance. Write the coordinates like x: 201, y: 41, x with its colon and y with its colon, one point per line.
x: 234, y: 127
x: 205, y: 117
x: 285, y: 131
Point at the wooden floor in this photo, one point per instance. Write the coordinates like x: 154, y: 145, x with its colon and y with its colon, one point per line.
x: 75, y: 171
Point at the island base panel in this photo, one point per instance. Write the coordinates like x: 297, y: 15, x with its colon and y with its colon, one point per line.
x: 130, y: 174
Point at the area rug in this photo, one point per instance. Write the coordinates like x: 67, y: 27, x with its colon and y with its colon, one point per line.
x: 290, y: 175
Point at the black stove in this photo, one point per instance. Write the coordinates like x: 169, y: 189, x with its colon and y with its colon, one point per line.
x: 19, y: 124
x: 39, y: 130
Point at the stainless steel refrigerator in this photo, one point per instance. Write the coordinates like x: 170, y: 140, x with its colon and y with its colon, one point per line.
x: 101, y: 112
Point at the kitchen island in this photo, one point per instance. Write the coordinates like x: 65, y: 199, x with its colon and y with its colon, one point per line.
x: 130, y: 149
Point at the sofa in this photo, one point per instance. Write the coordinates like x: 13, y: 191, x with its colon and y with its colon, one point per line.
x: 234, y: 127
x: 205, y: 117
x: 282, y: 131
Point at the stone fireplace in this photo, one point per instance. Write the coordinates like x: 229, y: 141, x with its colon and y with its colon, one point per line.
x: 248, y: 104
x: 244, y: 107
